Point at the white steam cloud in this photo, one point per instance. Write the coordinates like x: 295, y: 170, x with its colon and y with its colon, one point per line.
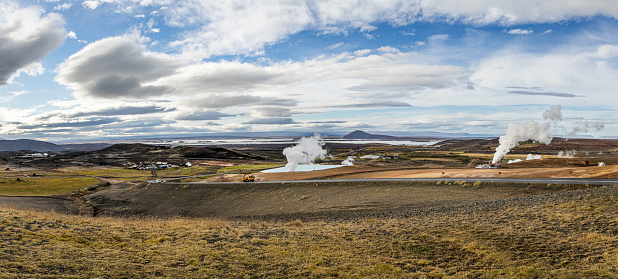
x: 528, y: 158
x: 585, y: 126
x: 516, y: 133
x: 567, y: 154
x: 305, y: 152
x: 531, y: 130
x: 348, y: 162
x: 540, y: 132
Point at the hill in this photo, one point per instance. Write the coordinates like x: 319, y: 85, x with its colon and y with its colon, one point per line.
x: 360, y: 135
x: 27, y: 144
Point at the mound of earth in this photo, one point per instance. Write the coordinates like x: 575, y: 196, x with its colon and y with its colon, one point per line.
x: 124, y: 148
x: 215, y: 152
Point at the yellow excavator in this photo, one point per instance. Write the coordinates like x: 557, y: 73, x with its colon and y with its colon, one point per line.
x: 248, y: 178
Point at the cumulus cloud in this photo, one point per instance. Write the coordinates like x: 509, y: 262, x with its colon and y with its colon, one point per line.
x: 116, y: 67
x: 27, y: 36
x: 230, y: 28
x: 71, y: 35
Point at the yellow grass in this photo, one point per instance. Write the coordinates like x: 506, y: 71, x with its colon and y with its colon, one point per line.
x: 44, y: 186
x: 248, y: 168
x: 555, y: 240
x: 134, y: 174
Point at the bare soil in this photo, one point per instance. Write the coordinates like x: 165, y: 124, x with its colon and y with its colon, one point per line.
x: 300, y: 200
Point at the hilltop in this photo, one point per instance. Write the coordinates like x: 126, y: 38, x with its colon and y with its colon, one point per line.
x: 27, y: 144
x: 360, y: 135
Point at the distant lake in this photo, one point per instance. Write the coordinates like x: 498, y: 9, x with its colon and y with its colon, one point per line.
x: 289, y: 141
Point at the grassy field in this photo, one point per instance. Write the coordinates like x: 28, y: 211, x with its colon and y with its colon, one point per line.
x: 134, y: 174
x: 575, y: 239
x: 44, y: 186
x: 248, y: 168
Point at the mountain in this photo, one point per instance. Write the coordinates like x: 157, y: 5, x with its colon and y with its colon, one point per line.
x: 26, y: 144
x: 360, y: 135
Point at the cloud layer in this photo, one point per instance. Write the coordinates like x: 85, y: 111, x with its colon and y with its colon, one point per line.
x: 233, y: 66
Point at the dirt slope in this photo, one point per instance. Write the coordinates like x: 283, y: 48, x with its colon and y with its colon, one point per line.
x: 294, y: 199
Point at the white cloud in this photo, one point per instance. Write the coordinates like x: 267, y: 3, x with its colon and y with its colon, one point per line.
x: 63, y: 7
x: 27, y: 36
x: 91, y: 4
x: 520, y: 31
x: 71, y: 35
x: 17, y: 93
x: 230, y: 28
x: 437, y: 39
x: 336, y: 46
x: 389, y: 49
x: 587, y: 74
x: 116, y: 67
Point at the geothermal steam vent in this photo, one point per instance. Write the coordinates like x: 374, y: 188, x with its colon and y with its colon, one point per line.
x: 301, y: 156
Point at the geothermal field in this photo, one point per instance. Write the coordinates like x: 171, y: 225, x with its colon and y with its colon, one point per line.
x: 526, y: 204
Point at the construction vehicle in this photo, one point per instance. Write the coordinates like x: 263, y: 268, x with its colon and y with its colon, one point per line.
x: 248, y: 178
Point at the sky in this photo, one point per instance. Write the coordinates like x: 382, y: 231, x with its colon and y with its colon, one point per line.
x: 105, y: 69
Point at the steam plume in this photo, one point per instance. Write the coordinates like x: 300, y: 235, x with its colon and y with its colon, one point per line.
x: 585, y: 126
x: 516, y: 133
x: 348, y: 162
x: 305, y: 152
x: 567, y: 154
x: 554, y: 113
x: 528, y: 158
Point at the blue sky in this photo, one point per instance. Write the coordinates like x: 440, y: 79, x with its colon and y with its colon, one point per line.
x: 79, y: 70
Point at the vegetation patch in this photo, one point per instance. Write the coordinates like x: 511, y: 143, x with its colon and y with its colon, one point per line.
x: 571, y: 239
x: 248, y: 168
x: 44, y: 186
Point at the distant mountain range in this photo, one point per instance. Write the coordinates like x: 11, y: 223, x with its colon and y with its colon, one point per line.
x: 360, y: 135
x: 27, y: 144
x: 43, y: 146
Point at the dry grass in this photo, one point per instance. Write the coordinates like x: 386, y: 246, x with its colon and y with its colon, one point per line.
x: 44, y: 186
x: 134, y: 174
x: 559, y: 240
x: 246, y: 168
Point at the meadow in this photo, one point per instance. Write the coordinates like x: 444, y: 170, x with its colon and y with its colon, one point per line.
x: 553, y: 239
